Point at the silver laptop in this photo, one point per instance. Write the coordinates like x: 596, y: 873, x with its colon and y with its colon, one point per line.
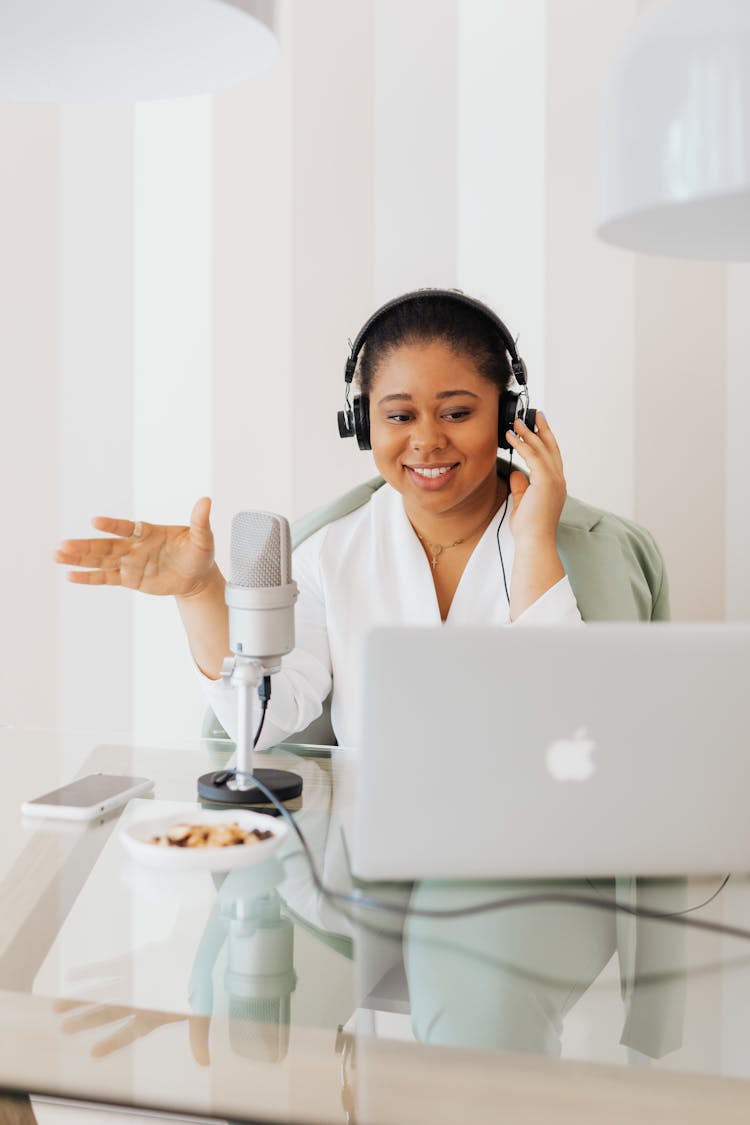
x: 554, y: 751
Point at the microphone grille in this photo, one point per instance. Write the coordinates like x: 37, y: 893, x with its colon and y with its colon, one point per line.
x: 259, y: 1029
x: 260, y: 551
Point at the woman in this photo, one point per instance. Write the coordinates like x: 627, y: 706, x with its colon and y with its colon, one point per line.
x: 451, y: 536
x: 447, y: 534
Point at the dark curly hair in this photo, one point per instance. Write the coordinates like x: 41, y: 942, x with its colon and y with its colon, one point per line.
x: 466, y: 330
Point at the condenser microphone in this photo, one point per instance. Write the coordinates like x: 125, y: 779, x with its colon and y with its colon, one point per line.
x: 260, y: 597
x: 261, y: 593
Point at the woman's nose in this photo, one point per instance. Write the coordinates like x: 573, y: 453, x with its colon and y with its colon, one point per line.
x: 427, y: 434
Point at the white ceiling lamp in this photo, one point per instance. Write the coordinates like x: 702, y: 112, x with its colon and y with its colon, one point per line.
x: 675, y: 136
x: 130, y: 50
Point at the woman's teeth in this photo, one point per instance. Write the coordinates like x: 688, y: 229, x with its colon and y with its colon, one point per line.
x: 433, y: 472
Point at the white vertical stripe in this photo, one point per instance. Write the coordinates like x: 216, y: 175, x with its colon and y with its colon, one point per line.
x: 252, y: 377
x: 172, y: 387
x: 500, y: 158
x: 96, y: 412
x: 737, y: 455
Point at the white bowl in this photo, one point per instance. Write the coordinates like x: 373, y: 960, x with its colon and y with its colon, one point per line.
x: 135, y: 838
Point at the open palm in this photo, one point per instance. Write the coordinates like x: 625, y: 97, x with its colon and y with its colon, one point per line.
x: 153, y: 558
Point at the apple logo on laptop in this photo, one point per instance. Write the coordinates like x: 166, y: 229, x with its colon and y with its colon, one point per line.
x: 569, y: 759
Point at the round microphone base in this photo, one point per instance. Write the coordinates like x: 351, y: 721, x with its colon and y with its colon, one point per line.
x: 214, y: 787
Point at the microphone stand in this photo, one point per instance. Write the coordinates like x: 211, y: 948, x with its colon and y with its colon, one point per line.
x: 235, y: 786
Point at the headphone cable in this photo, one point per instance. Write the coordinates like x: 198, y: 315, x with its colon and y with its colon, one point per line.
x: 500, y: 524
x: 368, y: 902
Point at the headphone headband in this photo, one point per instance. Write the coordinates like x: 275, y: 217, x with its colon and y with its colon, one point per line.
x: 517, y: 364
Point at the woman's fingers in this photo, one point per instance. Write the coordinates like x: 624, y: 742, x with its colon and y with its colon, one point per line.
x: 95, y: 1015
x: 198, y: 1029
x: 124, y: 528
x: 543, y: 427
x: 532, y: 445
x: 546, y: 435
x: 525, y: 441
x: 95, y: 577
x: 99, y: 552
x: 92, y: 559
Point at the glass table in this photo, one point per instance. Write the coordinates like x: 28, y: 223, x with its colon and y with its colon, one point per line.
x: 252, y: 996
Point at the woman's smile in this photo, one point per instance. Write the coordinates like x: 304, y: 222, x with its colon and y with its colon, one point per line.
x: 432, y: 477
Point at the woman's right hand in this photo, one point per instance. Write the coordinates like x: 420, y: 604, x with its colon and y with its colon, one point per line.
x: 153, y: 558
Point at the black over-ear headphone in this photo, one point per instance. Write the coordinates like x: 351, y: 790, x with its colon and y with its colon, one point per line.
x: 354, y: 419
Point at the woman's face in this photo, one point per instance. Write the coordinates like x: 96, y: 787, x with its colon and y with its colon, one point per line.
x: 433, y: 428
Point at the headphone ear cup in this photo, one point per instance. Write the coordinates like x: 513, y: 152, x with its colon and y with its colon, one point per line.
x: 346, y: 423
x: 361, y: 408
x: 506, y: 418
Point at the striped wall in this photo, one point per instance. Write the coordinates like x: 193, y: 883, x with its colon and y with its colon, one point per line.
x: 179, y: 280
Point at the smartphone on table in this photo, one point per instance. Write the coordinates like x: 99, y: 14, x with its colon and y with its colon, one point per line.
x: 88, y: 797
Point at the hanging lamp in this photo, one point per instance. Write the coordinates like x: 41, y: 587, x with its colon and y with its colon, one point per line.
x: 130, y: 50
x: 675, y: 133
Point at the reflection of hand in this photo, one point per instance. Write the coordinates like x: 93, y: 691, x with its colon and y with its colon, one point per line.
x: 136, y: 1024
x: 152, y: 558
x: 97, y: 977
x: 538, y: 500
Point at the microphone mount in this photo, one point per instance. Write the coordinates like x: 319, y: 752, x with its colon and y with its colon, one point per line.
x: 247, y: 676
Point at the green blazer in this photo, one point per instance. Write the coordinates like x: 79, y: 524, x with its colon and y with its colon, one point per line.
x: 617, y: 574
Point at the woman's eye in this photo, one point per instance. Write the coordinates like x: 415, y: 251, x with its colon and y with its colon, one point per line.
x: 451, y: 416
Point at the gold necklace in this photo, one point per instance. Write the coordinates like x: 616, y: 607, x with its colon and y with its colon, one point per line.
x: 436, y: 549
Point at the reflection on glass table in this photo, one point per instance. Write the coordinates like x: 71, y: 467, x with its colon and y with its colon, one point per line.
x: 253, y: 995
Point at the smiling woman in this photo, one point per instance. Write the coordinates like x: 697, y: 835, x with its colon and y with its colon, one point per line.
x: 437, y: 377
x: 447, y: 534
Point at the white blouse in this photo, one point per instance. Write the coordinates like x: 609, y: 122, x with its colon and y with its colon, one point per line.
x: 366, y: 570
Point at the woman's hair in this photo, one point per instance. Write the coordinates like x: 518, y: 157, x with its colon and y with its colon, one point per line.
x: 466, y: 331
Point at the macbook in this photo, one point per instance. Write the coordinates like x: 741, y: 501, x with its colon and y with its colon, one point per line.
x: 554, y: 752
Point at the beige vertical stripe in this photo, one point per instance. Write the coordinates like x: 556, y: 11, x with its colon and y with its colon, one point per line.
x: 332, y: 250
x: 589, y: 287
x: 680, y: 427
x: 30, y: 414
x: 737, y: 456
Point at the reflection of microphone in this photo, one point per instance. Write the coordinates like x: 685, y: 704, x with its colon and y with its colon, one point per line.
x: 260, y: 979
x: 260, y: 597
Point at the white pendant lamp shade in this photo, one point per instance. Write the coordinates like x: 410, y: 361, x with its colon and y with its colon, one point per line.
x: 675, y: 133
x: 130, y: 50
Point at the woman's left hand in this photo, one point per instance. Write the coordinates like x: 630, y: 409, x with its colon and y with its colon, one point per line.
x: 537, y: 500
